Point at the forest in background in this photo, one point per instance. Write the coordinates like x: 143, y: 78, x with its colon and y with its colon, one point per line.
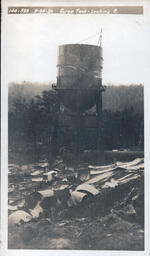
x: 33, y: 108
x: 114, y: 97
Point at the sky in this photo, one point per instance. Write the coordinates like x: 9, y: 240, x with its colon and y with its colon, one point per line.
x: 32, y: 45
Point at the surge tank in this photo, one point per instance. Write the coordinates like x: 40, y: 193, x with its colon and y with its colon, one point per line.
x: 79, y: 75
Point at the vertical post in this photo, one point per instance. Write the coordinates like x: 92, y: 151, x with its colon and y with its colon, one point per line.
x: 99, y: 119
x: 53, y: 147
x: 77, y: 132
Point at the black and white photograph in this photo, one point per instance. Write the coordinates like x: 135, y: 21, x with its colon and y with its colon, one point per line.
x: 74, y: 97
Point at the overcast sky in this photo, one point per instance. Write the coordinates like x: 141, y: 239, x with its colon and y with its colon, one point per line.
x: 32, y: 43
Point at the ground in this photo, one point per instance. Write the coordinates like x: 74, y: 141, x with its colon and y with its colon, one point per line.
x: 89, y: 226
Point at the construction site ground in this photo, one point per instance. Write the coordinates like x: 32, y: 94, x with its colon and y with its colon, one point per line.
x: 103, y: 221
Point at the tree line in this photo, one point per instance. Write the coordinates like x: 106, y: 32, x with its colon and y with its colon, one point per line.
x: 33, y: 115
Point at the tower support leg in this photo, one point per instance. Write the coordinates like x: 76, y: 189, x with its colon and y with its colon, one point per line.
x: 99, y: 113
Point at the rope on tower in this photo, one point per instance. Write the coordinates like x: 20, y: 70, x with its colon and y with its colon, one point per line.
x: 88, y: 37
x: 99, y: 39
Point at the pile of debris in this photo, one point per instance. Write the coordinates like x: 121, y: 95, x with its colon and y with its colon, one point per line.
x: 35, y: 192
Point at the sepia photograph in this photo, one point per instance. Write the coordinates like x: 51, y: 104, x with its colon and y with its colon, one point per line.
x: 74, y: 90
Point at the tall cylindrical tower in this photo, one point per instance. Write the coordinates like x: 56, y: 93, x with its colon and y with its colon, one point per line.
x: 79, y: 87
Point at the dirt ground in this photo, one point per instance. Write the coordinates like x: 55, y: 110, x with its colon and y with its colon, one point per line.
x: 89, y: 226
x: 106, y: 233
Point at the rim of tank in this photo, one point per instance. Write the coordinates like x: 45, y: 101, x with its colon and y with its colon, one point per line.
x: 81, y: 44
